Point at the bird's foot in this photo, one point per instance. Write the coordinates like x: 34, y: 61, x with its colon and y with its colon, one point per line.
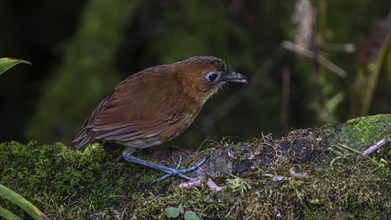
x: 168, y: 170
x: 181, y: 173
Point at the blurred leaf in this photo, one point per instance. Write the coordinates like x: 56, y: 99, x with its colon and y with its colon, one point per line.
x: 171, y: 212
x: 190, y: 215
x: 8, y: 215
x: 7, y: 63
x: 21, y: 202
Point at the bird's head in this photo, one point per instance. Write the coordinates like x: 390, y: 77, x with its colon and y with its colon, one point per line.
x: 202, y: 76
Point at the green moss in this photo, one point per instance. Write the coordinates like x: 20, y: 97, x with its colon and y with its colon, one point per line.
x: 56, y: 177
x: 71, y: 184
x: 361, y: 132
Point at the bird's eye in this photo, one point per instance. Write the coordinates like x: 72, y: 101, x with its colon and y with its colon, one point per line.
x: 212, y: 76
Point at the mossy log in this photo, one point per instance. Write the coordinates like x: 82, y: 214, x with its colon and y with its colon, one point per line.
x: 308, y: 174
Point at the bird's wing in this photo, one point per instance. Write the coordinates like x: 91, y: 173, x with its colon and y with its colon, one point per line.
x: 140, y: 110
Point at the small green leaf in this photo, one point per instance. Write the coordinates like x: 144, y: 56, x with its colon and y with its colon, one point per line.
x: 190, y: 215
x: 180, y: 208
x: 171, y: 212
x: 88, y: 150
x: 7, y: 63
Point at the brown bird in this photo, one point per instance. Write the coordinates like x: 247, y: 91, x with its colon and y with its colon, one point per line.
x: 155, y: 105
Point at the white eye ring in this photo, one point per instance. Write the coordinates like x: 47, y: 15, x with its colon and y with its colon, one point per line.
x: 211, y: 76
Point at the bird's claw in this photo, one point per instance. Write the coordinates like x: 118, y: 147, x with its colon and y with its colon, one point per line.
x: 180, y: 173
x: 170, y: 171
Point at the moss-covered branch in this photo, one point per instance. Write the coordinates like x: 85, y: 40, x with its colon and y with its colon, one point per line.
x: 71, y: 184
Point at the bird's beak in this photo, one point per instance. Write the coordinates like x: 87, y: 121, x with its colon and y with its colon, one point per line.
x: 234, y: 77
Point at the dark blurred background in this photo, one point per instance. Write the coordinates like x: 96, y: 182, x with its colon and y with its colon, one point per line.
x: 309, y: 62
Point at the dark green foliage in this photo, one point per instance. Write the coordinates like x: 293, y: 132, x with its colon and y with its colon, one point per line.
x: 86, y: 74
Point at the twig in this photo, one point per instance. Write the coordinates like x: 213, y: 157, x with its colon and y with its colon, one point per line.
x: 292, y: 172
x: 212, y: 185
x: 190, y: 183
x: 310, y: 54
x: 286, y: 80
x: 194, y: 183
x: 381, y: 143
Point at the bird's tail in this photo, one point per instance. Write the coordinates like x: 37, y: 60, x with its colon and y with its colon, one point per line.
x: 86, y: 136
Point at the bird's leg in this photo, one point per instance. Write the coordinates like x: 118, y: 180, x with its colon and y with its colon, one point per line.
x: 129, y: 151
x: 170, y: 171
